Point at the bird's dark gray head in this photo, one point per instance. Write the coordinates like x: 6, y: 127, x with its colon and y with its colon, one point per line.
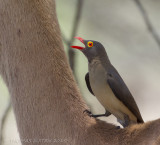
x: 92, y: 49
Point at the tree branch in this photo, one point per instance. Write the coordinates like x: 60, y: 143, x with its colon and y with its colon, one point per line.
x: 71, y: 53
x: 4, y: 118
x: 147, y: 22
x: 65, y: 40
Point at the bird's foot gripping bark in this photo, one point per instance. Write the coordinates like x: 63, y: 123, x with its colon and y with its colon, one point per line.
x: 88, y: 112
x: 98, y: 115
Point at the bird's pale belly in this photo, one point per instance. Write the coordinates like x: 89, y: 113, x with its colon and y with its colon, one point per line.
x: 107, y: 98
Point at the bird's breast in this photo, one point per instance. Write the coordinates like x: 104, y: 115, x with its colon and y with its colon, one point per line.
x: 98, y: 82
x: 97, y: 77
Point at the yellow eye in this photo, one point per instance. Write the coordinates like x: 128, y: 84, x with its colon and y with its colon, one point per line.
x: 90, y: 44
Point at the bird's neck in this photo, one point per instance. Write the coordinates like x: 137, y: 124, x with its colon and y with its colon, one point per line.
x: 104, y: 60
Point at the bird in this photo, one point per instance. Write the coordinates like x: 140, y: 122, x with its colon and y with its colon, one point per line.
x: 104, y: 82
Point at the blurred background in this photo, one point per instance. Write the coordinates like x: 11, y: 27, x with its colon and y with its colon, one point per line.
x: 130, y: 32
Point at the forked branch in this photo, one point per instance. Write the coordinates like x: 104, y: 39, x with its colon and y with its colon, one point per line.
x: 148, y: 22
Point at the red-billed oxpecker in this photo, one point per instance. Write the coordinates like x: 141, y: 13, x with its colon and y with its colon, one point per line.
x: 106, y: 84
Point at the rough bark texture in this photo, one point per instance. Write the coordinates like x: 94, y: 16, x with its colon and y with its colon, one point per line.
x: 45, y: 97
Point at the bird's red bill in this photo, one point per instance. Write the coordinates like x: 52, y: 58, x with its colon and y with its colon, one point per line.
x: 80, y: 39
x: 79, y: 47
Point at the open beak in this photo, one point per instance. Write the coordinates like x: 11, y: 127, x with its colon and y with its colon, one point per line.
x: 79, y: 47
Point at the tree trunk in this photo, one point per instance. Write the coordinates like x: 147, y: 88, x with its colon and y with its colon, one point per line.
x: 46, y: 101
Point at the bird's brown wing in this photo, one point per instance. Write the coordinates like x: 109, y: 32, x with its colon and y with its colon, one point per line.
x: 121, y: 91
x: 88, y: 83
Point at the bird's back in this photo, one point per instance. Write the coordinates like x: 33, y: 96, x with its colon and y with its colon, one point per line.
x: 122, y: 92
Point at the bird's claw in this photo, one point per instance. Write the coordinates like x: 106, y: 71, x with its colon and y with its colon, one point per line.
x: 88, y: 113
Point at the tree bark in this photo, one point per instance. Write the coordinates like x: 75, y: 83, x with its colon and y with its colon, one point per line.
x: 45, y: 98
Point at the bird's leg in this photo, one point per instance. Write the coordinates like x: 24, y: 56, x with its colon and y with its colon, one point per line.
x: 124, y: 122
x: 107, y: 113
